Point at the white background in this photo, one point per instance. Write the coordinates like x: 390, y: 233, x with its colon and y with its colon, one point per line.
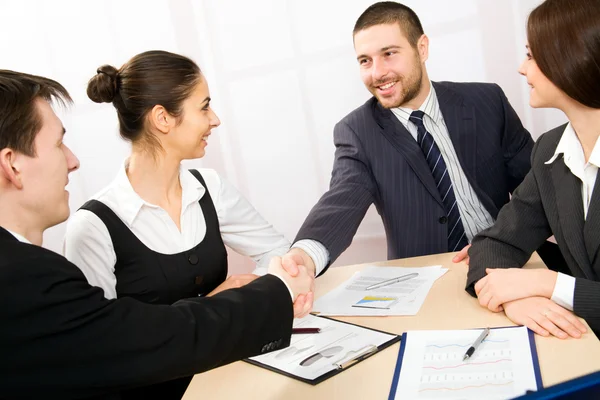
x: 281, y: 74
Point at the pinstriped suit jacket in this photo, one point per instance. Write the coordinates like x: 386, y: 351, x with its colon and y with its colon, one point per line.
x: 547, y: 203
x: 378, y: 161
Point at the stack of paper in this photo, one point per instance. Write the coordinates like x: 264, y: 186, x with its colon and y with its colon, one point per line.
x: 353, y: 298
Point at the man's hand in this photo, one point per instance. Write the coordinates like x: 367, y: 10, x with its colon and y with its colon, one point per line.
x: 502, y: 285
x: 462, y: 255
x: 301, y: 284
x: 232, y: 282
x: 544, y: 317
x: 291, y: 262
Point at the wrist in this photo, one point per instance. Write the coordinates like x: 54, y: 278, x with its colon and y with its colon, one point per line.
x: 546, y: 282
x: 307, y: 260
x: 287, y: 285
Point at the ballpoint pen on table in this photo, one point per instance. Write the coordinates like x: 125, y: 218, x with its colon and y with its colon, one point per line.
x: 474, y: 346
x: 392, y: 281
x: 359, y: 356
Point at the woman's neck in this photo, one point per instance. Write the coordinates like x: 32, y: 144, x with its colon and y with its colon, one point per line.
x: 586, y: 124
x: 155, y: 177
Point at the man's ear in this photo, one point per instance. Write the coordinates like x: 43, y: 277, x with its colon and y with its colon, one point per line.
x: 160, y: 119
x: 9, y: 167
x: 423, y: 48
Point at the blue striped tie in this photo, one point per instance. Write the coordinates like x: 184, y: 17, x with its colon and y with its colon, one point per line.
x: 456, y: 232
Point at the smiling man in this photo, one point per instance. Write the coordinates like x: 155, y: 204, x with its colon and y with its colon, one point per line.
x: 438, y: 159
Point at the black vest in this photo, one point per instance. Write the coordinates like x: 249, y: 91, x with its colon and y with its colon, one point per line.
x: 158, y: 278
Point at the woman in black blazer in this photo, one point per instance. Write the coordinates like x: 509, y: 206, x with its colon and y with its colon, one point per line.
x: 557, y: 197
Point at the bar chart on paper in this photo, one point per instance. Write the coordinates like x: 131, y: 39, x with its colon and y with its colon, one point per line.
x: 432, y: 365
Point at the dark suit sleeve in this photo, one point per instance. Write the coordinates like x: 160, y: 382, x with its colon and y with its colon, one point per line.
x: 517, y: 145
x: 333, y: 221
x: 520, y: 229
x: 586, y: 302
x: 62, y: 339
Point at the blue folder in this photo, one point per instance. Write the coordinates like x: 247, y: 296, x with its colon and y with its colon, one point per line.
x: 536, y: 365
x: 585, y: 387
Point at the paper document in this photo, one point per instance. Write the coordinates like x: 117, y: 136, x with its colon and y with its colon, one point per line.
x: 310, y: 356
x: 431, y: 366
x: 402, y: 298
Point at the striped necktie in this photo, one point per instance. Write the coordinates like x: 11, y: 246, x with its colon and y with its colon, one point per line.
x: 456, y: 232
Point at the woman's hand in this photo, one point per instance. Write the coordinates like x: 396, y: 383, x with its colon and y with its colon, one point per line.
x: 233, y: 282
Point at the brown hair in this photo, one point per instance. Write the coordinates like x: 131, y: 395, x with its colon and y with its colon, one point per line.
x: 20, y: 120
x: 564, y: 40
x: 148, y: 79
x: 390, y: 12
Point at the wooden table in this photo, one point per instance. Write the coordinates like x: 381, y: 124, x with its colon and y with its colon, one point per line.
x: 447, y: 306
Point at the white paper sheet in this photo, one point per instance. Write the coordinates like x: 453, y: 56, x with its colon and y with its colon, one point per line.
x: 403, y: 298
x: 337, y: 342
x: 432, y: 367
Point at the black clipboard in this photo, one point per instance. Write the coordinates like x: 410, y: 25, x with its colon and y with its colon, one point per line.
x: 329, y: 374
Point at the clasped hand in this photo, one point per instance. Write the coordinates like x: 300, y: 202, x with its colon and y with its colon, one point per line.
x: 524, y: 295
x: 297, y: 267
x: 502, y: 285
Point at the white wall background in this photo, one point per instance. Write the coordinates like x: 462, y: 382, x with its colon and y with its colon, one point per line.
x: 281, y: 74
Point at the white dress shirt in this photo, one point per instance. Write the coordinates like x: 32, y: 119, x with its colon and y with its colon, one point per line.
x: 474, y: 216
x: 89, y: 246
x: 570, y: 147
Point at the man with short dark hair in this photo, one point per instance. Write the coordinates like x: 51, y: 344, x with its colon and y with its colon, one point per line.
x: 60, y: 338
x: 438, y: 159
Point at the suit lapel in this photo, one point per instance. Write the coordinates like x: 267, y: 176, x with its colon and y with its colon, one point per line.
x: 591, y: 230
x: 569, y: 207
x: 403, y: 141
x: 461, y: 123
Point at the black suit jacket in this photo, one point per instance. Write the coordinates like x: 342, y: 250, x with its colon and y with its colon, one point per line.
x: 61, y: 339
x: 378, y: 161
x: 548, y: 202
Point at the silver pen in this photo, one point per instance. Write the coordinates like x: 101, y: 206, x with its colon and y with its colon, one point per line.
x: 359, y: 356
x: 392, y: 281
x: 474, y: 346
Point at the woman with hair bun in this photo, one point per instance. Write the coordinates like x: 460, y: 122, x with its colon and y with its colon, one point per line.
x: 561, y: 194
x: 158, y: 232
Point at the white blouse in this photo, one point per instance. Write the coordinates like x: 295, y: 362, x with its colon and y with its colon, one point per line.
x: 570, y: 147
x: 89, y: 246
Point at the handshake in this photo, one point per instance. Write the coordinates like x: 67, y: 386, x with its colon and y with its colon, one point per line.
x: 297, y: 270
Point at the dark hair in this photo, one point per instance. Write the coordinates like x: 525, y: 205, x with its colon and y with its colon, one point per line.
x: 390, y: 12
x: 148, y: 79
x: 564, y: 40
x: 20, y: 120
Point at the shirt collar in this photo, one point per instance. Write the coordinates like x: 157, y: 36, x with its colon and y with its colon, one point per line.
x: 131, y: 203
x: 595, y: 156
x: 192, y: 188
x: 20, y: 238
x: 430, y: 107
x: 570, y: 147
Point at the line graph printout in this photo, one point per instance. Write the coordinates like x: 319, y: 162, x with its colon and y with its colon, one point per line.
x: 502, y: 367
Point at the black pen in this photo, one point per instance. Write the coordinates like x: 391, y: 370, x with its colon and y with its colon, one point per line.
x: 474, y: 346
x: 305, y: 330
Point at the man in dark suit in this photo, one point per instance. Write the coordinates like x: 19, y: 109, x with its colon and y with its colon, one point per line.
x: 60, y: 338
x: 438, y: 159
